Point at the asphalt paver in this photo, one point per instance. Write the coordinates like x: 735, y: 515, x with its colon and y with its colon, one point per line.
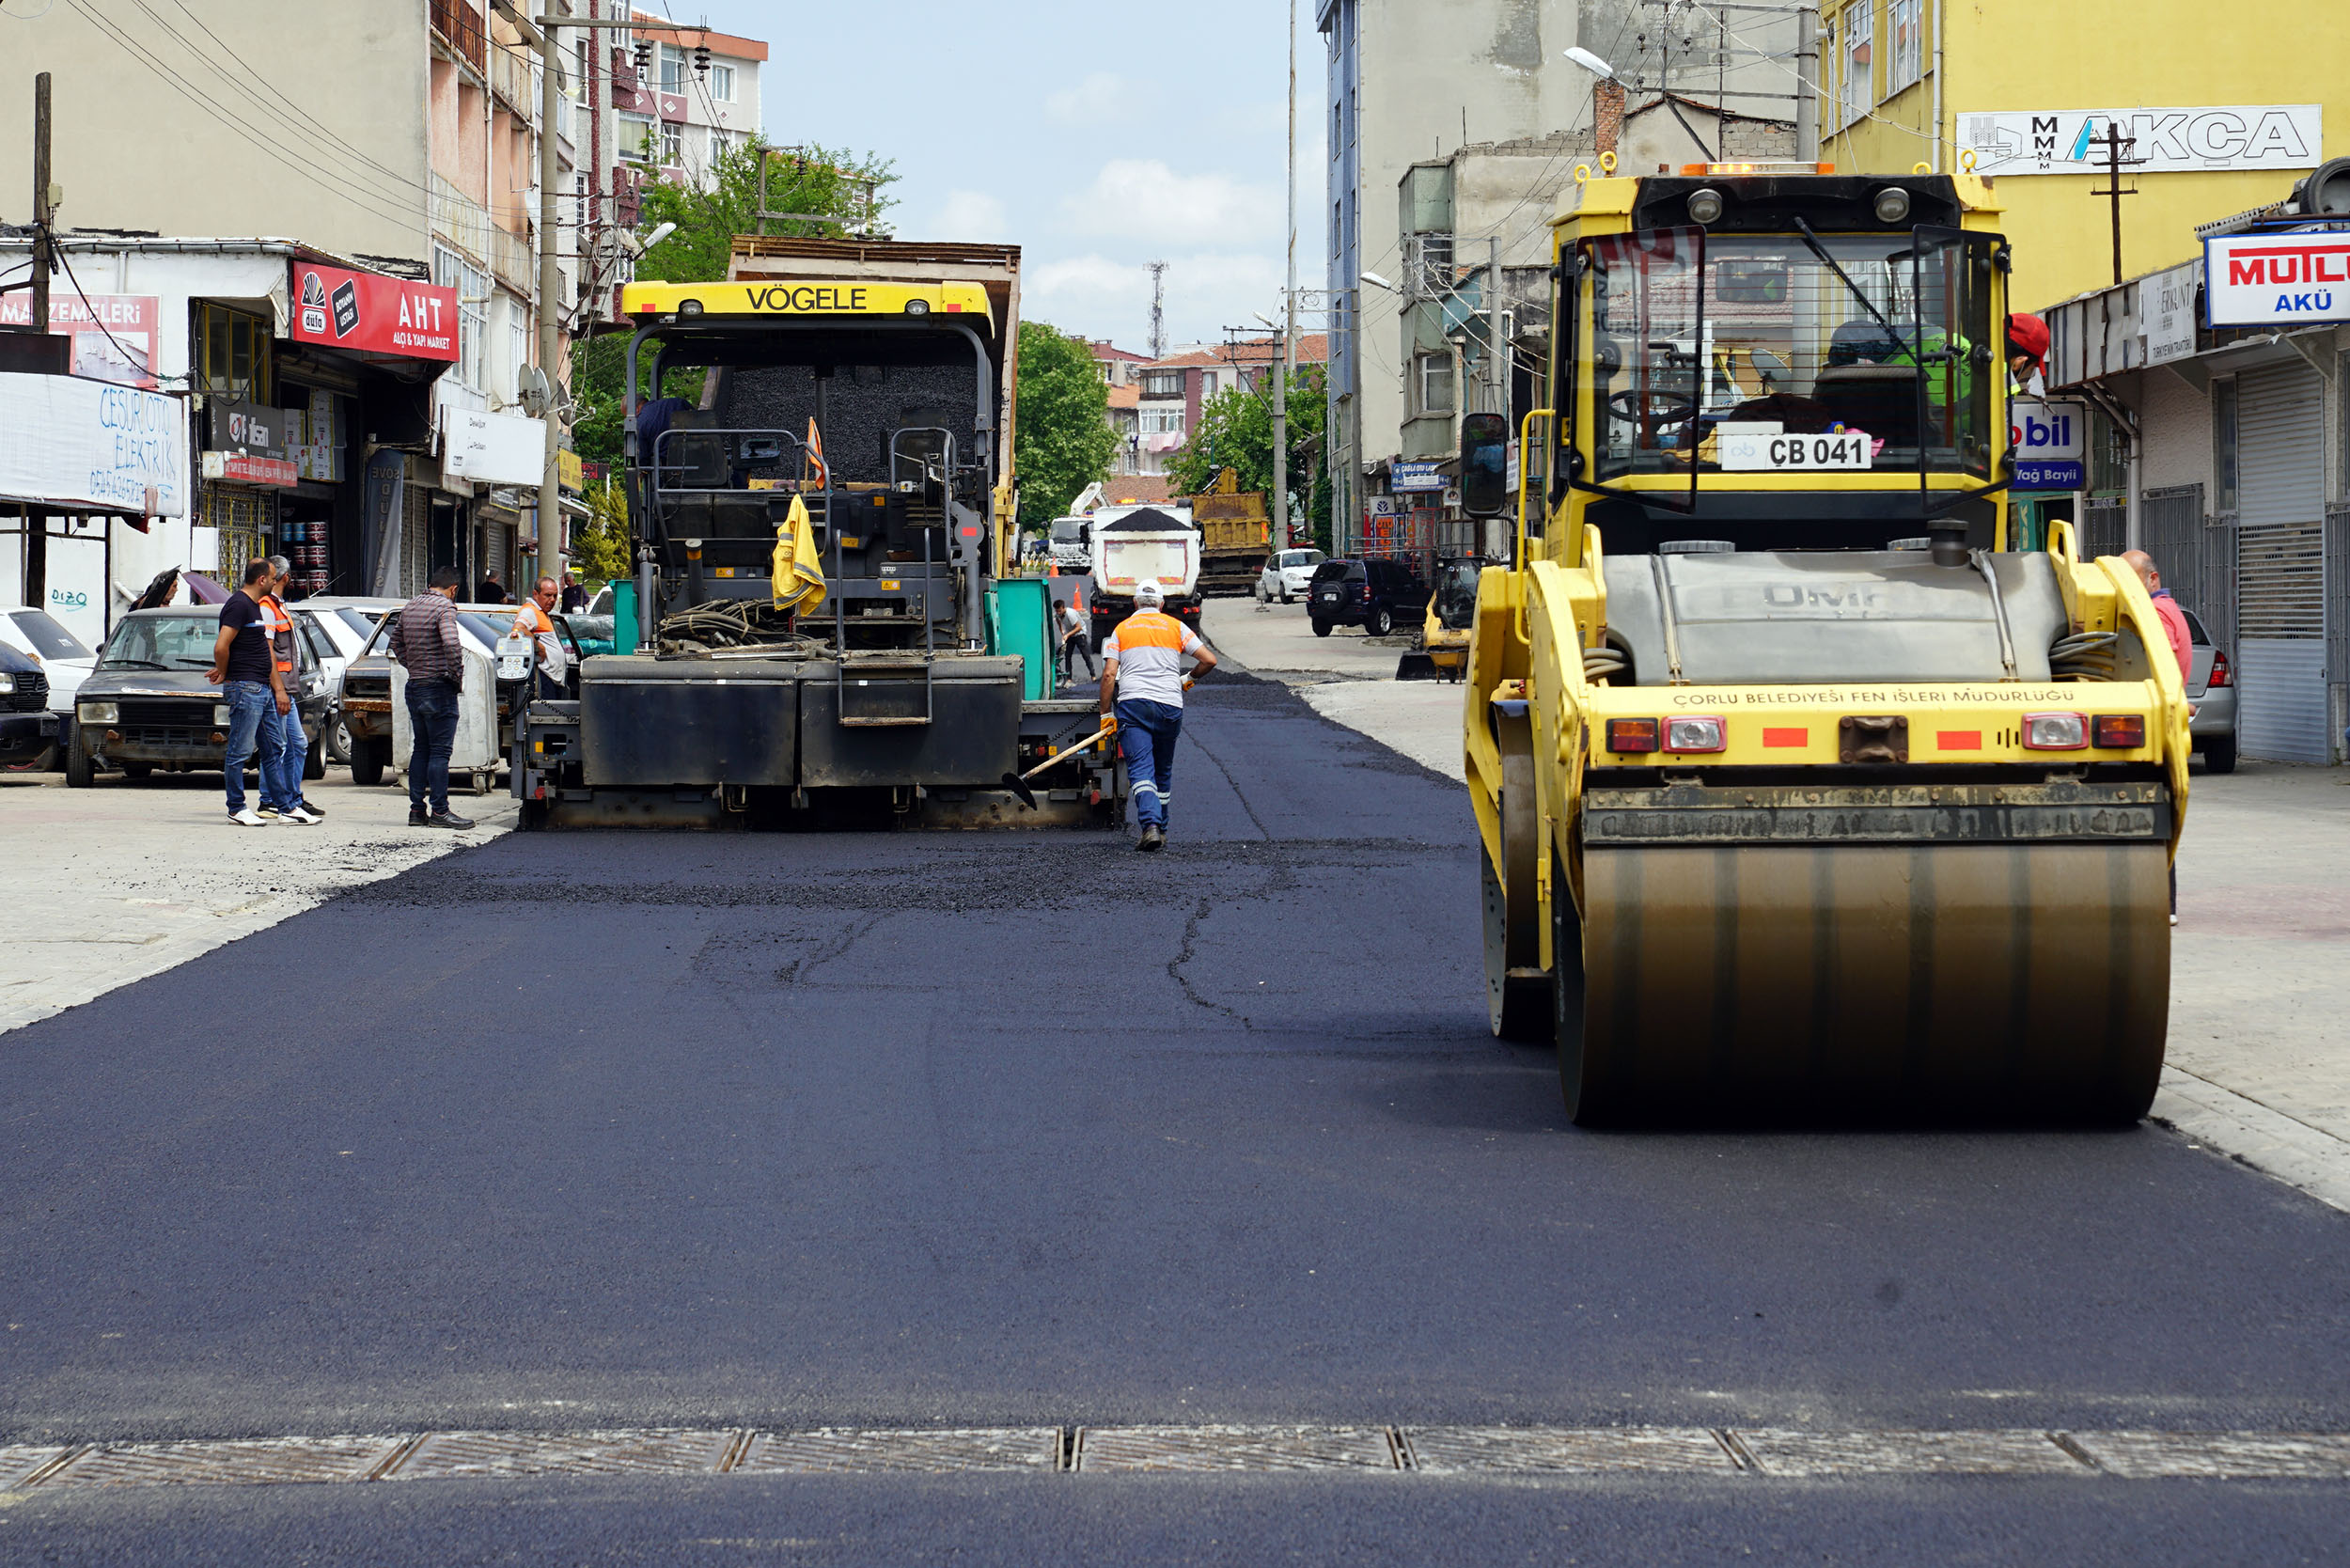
x: 918, y: 1129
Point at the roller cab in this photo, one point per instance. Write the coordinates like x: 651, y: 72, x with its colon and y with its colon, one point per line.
x: 1802, y: 794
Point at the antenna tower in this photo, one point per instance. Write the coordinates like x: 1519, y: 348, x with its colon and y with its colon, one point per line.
x: 1158, y: 311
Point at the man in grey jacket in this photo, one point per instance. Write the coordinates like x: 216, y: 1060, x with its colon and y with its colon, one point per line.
x: 426, y: 642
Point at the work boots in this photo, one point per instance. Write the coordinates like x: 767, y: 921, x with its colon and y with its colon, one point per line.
x: 1152, y: 838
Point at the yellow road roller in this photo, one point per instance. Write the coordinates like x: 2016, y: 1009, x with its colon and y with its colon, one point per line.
x: 1804, y: 793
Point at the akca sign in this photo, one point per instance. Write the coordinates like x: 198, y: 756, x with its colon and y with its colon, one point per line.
x: 2154, y: 141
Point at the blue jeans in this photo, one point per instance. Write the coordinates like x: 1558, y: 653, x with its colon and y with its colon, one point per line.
x: 432, y: 716
x: 253, y: 717
x: 281, y: 777
x: 1145, y: 738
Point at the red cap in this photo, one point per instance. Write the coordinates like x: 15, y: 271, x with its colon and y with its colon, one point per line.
x: 2027, y: 335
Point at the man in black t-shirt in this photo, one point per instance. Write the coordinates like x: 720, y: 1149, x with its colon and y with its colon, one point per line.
x: 247, y: 676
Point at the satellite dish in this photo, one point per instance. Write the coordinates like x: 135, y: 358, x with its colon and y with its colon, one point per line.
x: 26, y: 11
x: 534, y: 390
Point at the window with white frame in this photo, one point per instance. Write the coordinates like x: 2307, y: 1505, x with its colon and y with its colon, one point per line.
x: 722, y: 84
x: 1207, y: 384
x: 674, y: 66
x: 1159, y: 421
x: 1907, y: 20
x: 1163, y: 384
x: 517, y: 347
x: 1432, y: 381
x: 1859, y: 72
x: 717, y: 145
x: 637, y: 138
x: 672, y: 144
x: 452, y: 271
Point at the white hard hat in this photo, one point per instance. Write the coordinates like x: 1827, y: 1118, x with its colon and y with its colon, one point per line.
x: 1148, y: 596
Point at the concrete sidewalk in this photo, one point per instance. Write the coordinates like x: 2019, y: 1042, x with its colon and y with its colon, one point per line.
x: 124, y: 880
x: 2259, y: 1054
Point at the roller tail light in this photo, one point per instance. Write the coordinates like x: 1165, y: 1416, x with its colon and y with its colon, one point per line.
x: 2118, y: 732
x: 1696, y: 732
x: 1632, y: 735
x: 2054, y: 732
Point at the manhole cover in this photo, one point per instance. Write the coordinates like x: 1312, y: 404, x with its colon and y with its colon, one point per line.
x: 989, y: 1449
x: 1456, y: 1449
x: 591, y: 1453
x: 2218, y: 1455
x: 1961, y: 1453
x: 1234, y: 1448
x: 238, y: 1462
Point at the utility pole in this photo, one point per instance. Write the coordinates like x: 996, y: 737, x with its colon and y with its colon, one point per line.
x: 539, y: 33
x: 2114, y: 142
x: 43, y: 208
x: 1807, y: 83
x: 1279, y: 533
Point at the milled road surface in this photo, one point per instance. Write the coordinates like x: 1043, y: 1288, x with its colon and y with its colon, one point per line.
x: 629, y: 1130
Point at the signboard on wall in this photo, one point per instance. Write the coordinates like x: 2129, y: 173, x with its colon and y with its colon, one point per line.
x: 2276, y: 279
x: 2156, y: 141
x: 2166, y: 303
x: 492, y: 449
x: 2050, y: 441
x: 345, y: 309
x: 1408, y: 478
x: 113, y: 335
x: 80, y: 444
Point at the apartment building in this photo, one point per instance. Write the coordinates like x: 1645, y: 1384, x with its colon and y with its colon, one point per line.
x: 695, y: 97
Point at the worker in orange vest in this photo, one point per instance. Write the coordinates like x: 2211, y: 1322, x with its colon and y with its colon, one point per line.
x: 281, y: 773
x: 532, y: 621
x: 1142, y: 671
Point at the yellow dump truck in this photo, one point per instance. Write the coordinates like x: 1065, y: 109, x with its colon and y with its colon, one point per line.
x: 1802, y: 792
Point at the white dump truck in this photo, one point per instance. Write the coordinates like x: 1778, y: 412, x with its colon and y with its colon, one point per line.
x: 1137, y: 544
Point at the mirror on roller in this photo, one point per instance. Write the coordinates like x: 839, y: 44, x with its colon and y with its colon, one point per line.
x: 1484, y: 465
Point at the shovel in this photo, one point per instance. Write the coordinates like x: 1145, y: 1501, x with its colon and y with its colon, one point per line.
x: 1018, y: 782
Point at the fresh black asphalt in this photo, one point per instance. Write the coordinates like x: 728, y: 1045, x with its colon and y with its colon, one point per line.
x: 595, y: 1129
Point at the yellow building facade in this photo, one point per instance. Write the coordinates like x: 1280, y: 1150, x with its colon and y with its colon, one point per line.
x: 2230, y: 110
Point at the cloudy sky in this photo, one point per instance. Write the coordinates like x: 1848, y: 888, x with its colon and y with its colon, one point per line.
x: 1098, y: 136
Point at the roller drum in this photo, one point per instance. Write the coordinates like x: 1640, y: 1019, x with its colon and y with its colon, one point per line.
x: 1923, y: 981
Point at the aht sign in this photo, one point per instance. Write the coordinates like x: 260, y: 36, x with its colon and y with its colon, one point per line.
x: 2276, y: 279
x: 2049, y: 443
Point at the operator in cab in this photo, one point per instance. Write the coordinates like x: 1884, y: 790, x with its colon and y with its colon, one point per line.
x: 1142, y: 673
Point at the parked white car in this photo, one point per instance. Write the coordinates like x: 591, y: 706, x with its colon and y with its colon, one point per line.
x: 1286, y: 574
x: 60, y: 654
x: 339, y: 628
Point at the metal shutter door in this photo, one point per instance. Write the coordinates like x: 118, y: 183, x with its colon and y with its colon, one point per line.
x: 2281, y: 602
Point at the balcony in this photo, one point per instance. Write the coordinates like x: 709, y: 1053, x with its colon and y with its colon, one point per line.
x: 468, y: 226
x: 513, y: 77
x: 458, y: 28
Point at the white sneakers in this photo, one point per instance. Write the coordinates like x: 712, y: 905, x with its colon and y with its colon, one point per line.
x: 247, y: 818
x: 301, y: 814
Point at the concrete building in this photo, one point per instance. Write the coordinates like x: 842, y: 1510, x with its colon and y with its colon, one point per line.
x: 2224, y: 452
x: 1118, y: 367
x: 2027, y: 101
x: 1481, y: 90
x: 697, y: 96
x: 397, y: 143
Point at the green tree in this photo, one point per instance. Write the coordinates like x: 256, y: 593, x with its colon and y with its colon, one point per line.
x: 847, y: 188
x: 1062, y: 440
x: 600, y: 539
x: 850, y: 187
x: 1235, y: 432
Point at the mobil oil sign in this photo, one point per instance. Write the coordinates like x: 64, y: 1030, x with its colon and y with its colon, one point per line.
x: 2276, y: 279
x: 2049, y: 442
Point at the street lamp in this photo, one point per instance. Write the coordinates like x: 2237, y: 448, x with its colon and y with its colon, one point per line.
x: 1378, y: 282
x: 1592, y: 63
